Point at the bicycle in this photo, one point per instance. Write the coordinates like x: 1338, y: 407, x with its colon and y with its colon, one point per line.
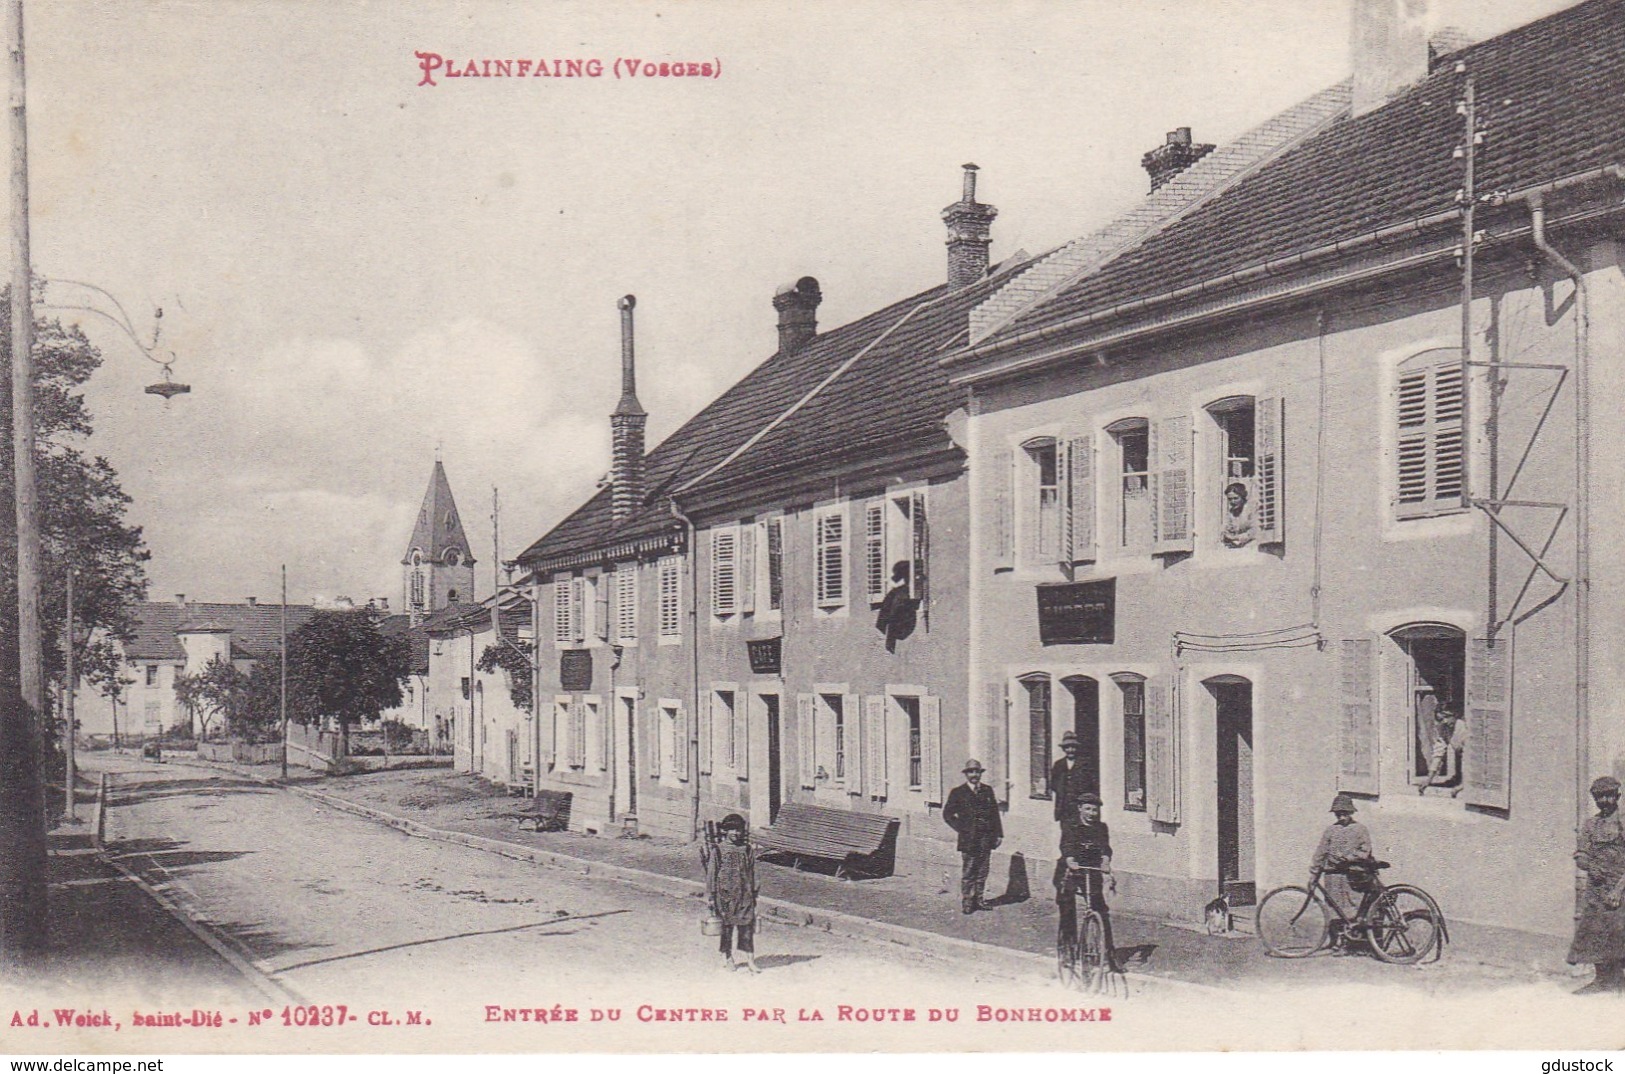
x: 1401, y: 923
x: 1084, y: 961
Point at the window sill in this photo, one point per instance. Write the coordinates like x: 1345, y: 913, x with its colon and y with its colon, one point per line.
x: 1408, y: 803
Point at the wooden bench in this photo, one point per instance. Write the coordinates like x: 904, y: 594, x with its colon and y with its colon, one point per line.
x: 856, y: 842
x: 548, y: 811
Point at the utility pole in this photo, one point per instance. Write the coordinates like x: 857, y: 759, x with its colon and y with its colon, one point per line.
x: 283, y: 693
x: 70, y: 685
x: 22, y: 802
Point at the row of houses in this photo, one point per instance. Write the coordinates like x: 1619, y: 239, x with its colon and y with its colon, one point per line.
x: 1283, y: 484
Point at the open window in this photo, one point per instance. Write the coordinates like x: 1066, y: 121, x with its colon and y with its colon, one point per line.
x: 1132, y: 440
x: 1132, y: 691
x: 1040, y: 743
x: 1434, y: 664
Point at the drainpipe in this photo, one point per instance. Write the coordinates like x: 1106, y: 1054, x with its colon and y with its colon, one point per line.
x: 1582, y: 502
x: 610, y: 716
x: 693, y: 721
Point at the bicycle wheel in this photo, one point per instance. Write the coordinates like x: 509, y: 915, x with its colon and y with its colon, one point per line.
x: 1292, y: 922
x: 1094, y: 961
x: 1066, y: 962
x: 1405, y: 925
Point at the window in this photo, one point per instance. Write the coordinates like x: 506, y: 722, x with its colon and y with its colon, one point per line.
x: 896, y: 545
x: 1133, y: 691
x: 673, y: 766
x: 626, y: 603
x: 152, y: 674
x: 561, y: 732
x: 466, y: 693
x: 775, y: 564
x: 830, y: 557
x: 722, y: 728
x: 453, y: 557
x: 835, y: 709
x: 1133, y: 439
x: 1041, y: 523
x: 1429, y: 445
x: 595, y: 603
x: 1435, y: 687
x: 1247, y: 491
x: 417, y: 587
x: 1039, y: 744
x: 671, y: 599
x: 724, y: 571
x: 911, y: 716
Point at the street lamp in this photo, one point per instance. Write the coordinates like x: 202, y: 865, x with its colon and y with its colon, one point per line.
x: 168, y: 388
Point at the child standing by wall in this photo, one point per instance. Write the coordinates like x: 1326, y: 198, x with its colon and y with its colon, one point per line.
x: 730, y: 885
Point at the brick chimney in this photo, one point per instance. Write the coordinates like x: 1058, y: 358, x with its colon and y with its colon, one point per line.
x: 626, y: 428
x: 1445, y: 42
x: 970, y: 223
x: 180, y: 600
x: 1173, y: 156
x: 797, y: 304
x: 1389, y: 48
x: 253, y: 601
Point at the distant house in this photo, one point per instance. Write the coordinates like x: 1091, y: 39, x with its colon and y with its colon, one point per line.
x: 180, y: 638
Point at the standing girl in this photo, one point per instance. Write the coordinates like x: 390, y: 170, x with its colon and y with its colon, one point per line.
x: 730, y: 883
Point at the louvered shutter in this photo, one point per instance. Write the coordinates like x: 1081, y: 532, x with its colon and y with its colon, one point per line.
x: 995, y: 703
x: 1488, y: 752
x: 600, y: 607
x: 680, y: 739
x: 1357, y: 742
x: 775, y: 564
x: 578, y: 613
x: 1162, y: 753
x: 1038, y: 736
x: 931, y: 749
x: 561, y: 610
x: 919, y: 578
x: 852, y: 742
x: 831, y: 533
x: 657, y: 756
x: 746, y: 580
x: 626, y: 602
x: 741, y: 756
x: 551, y: 733
x: 1063, y: 516
x: 1428, y: 411
x: 610, y: 623
x: 601, y: 726
x: 1448, y: 488
x: 874, y: 747
x: 1171, y: 465
x: 708, y: 734
x: 723, y: 570
x: 824, y: 739
x: 806, y: 740
x: 578, y: 733
x: 1001, y: 480
x: 874, y: 550
x: 1079, y: 546
x: 1269, y: 473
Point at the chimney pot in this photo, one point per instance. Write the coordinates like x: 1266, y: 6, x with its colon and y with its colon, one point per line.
x: 180, y: 599
x: 253, y: 601
x: 1174, y: 155
x: 970, y: 226
x: 797, y: 305
x: 626, y: 427
x: 1179, y: 136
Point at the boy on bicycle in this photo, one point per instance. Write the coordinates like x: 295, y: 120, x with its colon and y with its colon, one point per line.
x: 1343, y: 842
x: 1085, y: 865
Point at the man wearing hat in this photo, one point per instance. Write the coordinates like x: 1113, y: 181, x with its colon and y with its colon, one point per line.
x: 1067, y: 779
x: 1085, y: 865
x: 1599, y: 933
x: 1342, y: 842
x: 972, y: 810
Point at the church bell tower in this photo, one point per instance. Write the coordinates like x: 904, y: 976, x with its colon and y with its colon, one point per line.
x: 438, y: 568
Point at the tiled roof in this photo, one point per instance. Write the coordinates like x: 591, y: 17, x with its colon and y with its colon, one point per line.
x: 711, y: 435
x: 1552, y: 101
x: 439, y: 528
x: 255, y: 628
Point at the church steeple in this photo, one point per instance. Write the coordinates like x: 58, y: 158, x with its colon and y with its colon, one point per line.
x: 438, y: 568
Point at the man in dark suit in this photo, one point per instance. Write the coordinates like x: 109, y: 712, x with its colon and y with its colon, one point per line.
x: 972, y: 810
x: 1066, y: 779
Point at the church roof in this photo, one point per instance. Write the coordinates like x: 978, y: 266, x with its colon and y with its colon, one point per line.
x: 439, y: 528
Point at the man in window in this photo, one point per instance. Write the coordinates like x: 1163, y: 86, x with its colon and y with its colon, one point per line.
x: 1238, y: 529
x: 972, y: 810
x: 898, y: 611
x: 1445, y: 751
x: 1066, y: 779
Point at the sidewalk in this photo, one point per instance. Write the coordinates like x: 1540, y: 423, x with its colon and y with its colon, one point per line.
x: 914, y: 910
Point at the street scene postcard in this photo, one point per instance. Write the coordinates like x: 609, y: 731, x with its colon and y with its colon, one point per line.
x: 813, y: 527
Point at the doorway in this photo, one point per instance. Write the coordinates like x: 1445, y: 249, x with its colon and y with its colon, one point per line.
x: 775, y: 796
x: 1233, y: 721
x: 1086, y: 725
x: 628, y: 726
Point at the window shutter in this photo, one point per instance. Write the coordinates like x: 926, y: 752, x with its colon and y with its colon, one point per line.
x: 679, y: 738
x: 852, y: 719
x: 626, y: 603
x: 722, y: 571
x: 708, y: 734
x: 600, y: 607
x: 578, y: 612
x: 578, y: 733
x: 746, y: 581
x: 875, y: 571
x: 1079, y: 546
x: 931, y: 749
x: 824, y: 738
x: 1038, y: 736
x: 1269, y: 446
x: 919, y: 578
x: 997, y: 715
x: 1000, y: 475
x: 1027, y: 473
x: 551, y: 733
x: 601, y: 725
x: 561, y: 610
x: 609, y: 586
x: 1171, y: 463
x: 831, y: 529
x: 1063, y: 516
x: 1357, y: 732
x: 741, y: 756
x: 874, y: 746
x: 1448, y: 491
x: 657, y: 756
x: 1488, y: 752
x: 1162, y: 752
x: 775, y: 564
x: 806, y: 740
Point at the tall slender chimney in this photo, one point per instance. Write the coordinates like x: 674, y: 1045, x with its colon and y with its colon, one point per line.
x: 797, y: 304
x: 626, y: 428
x: 1389, y: 49
x: 970, y: 223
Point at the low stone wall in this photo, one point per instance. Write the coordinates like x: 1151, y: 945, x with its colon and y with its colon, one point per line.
x: 241, y: 752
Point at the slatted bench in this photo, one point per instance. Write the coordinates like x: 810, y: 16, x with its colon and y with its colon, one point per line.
x: 548, y: 811
x: 856, y: 842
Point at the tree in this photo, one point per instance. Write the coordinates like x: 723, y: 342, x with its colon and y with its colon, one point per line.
x: 515, y: 668
x: 339, y: 665
x: 220, y: 689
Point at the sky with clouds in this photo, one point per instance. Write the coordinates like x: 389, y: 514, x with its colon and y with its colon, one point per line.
x: 357, y: 270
